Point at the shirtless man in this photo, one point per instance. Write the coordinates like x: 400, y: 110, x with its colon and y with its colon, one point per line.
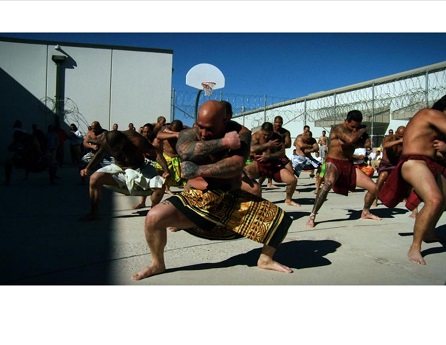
x: 392, y: 149
x: 340, y: 173
x: 323, y: 148
x: 286, y: 136
x: 305, y: 144
x: 167, y: 139
x: 303, y: 160
x: 160, y: 123
x: 147, y: 133
x: 268, y: 150
x: 128, y: 149
x: 420, y: 168
x: 213, y: 156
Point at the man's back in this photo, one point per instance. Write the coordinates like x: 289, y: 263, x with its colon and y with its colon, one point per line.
x: 425, y: 126
x: 127, y: 148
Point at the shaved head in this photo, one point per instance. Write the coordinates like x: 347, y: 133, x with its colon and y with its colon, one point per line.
x: 400, y: 131
x: 212, y: 120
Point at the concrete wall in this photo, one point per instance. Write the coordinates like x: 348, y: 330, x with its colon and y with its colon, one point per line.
x: 104, y: 83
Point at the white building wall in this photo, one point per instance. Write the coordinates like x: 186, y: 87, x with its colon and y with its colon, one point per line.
x: 139, y: 83
x: 106, y: 84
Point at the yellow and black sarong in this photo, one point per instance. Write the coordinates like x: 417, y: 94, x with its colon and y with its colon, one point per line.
x: 174, y: 166
x: 225, y: 215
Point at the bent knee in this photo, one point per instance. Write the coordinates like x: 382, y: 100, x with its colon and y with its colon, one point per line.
x: 435, y: 202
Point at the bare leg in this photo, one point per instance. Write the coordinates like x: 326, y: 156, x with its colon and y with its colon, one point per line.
x: 414, y: 213
x: 291, y: 183
x: 168, y: 191
x: 251, y: 186
x: 141, y: 204
x: 270, y: 184
x: 97, y: 180
x: 155, y: 198
x: 266, y: 261
x: 363, y: 181
x: 157, y: 195
x: 382, y: 177
x: 330, y: 177
x: 157, y: 220
x: 433, y: 193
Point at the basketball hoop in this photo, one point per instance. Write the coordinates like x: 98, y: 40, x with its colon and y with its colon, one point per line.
x: 208, y: 87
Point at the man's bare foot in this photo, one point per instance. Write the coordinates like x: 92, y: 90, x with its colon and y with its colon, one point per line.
x: 149, y: 271
x: 270, y: 185
x: 368, y: 215
x: 89, y: 217
x: 172, y: 229
x: 267, y: 263
x: 292, y: 203
x: 138, y: 206
x: 415, y: 256
x: 310, y: 223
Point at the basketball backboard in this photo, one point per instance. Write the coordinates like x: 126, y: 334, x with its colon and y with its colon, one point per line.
x: 205, y: 77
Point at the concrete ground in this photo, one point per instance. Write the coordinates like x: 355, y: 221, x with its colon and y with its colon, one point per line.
x: 43, y: 242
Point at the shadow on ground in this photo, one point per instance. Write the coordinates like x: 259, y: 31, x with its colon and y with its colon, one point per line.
x: 295, y: 254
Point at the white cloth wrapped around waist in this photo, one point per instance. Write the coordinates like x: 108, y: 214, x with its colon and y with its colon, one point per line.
x: 134, y: 180
x: 303, y: 162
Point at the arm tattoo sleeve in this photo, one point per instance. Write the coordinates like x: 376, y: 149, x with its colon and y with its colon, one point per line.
x: 190, y: 149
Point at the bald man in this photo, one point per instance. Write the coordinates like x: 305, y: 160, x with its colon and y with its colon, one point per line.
x: 213, y: 205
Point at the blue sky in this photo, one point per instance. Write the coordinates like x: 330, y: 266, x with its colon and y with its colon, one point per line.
x: 268, y: 49
x: 287, y: 65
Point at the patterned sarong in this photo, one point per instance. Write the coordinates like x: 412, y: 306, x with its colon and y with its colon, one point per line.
x: 134, y: 181
x: 174, y: 166
x: 232, y: 214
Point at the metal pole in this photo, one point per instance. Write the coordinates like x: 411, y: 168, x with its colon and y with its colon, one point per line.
x: 172, y: 104
x: 196, y: 104
x: 373, y: 113
x: 334, y: 109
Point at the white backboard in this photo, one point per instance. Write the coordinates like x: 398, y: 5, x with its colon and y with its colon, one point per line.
x: 205, y: 72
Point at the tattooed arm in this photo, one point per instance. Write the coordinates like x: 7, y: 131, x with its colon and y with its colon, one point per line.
x: 190, y: 148
x: 258, y: 148
x: 225, y: 168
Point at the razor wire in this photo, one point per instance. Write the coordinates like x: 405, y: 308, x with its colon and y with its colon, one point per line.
x: 70, y: 112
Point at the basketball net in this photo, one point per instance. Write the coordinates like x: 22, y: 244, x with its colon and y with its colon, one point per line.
x: 207, y: 87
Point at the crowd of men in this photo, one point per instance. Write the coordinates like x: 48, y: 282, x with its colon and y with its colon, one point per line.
x: 220, y: 167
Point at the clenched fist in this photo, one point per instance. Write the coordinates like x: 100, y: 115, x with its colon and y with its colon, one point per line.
x: 231, y: 140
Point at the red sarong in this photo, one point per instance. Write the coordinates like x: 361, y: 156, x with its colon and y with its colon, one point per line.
x: 271, y: 169
x: 395, y: 189
x: 347, y: 176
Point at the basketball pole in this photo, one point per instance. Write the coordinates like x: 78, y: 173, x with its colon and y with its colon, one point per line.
x: 196, y: 104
